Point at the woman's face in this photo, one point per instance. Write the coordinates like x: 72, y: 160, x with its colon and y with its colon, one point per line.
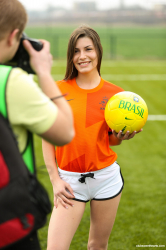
x: 85, y: 57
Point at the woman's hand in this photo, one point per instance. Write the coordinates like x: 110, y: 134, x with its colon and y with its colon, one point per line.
x: 61, y: 191
x: 126, y: 136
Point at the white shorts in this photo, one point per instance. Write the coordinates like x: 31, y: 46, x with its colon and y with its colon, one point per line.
x: 103, y: 184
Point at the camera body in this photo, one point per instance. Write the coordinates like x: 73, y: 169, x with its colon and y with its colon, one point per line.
x: 21, y: 58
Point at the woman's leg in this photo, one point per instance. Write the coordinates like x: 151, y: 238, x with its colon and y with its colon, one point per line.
x: 63, y: 225
x: 103, y: 215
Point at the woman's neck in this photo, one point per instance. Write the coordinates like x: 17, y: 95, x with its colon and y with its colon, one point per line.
x: 88, y: 81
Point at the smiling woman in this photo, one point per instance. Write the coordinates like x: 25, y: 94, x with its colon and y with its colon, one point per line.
x: 88, y: 170
x: 85, y: 61
x: 87, y: 42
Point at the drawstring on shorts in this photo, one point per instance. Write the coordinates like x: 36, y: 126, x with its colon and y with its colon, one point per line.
x: 82, y: 179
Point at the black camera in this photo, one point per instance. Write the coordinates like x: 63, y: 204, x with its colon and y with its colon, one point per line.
x: 21, y: 58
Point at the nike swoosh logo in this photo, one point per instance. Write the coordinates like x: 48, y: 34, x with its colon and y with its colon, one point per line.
x: 70, y: 100
x: 123, y: 129
x: 128, y: 118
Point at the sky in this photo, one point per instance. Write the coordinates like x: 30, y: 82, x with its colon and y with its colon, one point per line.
x: 101, y: 4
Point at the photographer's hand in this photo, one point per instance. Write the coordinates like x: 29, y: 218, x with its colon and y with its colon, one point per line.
x: 40, y: 61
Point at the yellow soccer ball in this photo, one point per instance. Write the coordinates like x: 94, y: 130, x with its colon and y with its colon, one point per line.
x: 126, y: 111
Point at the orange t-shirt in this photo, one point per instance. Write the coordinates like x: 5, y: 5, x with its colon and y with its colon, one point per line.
x: 89, y: 150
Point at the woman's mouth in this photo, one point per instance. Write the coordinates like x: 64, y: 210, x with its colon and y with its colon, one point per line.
x: 84, y: 64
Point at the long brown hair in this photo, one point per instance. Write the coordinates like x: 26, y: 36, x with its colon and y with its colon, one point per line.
x: 83, y: 31
x: 13, y: 16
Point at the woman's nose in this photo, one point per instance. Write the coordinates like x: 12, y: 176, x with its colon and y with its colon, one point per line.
x: 82, y: 54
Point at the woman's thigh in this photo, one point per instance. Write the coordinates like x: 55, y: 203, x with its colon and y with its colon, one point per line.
x: 63, y: 224
x: 103, y: 215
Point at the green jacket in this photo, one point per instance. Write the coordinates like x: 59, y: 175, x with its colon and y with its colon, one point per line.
x: 28, y: 153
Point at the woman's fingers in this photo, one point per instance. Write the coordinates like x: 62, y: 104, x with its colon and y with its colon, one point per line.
x: 63, y: 193
x: 125, y: 136
x: 128, y: 136
x: 55, y: 202
x: 70, y: 190
x: 64, y: 201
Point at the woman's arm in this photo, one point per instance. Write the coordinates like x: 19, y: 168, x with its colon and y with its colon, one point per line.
x: 60, y: 187
x: 113, y: 140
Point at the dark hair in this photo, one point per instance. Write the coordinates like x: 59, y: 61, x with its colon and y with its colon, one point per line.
x: 83, y: 31
x: 13, y: 16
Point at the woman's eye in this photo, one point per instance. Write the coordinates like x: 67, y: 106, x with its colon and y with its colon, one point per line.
x: 76, y: 51
x: 88, y: 49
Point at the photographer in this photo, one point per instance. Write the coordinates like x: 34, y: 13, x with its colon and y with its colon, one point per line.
x: 29, y: 108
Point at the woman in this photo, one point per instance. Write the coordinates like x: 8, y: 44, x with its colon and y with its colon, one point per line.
x: 88, y: 170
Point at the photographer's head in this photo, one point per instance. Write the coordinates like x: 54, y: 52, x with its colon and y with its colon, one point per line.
x: 13, y: 19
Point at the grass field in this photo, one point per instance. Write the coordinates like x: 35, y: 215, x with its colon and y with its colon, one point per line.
x: 141, y: 217
x: 123, y: 43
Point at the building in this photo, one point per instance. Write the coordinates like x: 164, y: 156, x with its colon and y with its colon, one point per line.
x: 85, y: 6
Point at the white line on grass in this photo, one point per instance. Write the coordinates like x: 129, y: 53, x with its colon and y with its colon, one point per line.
x: 156, y: 117
x: 134, y: 77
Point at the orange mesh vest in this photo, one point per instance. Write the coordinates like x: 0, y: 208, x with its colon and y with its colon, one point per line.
x: 89, y: 150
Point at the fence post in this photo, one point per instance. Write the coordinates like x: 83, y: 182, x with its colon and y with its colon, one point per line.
x: 113, y: 41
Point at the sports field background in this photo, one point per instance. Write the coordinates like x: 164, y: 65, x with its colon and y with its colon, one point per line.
x: 120, y: 43
x: 141, y: 217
